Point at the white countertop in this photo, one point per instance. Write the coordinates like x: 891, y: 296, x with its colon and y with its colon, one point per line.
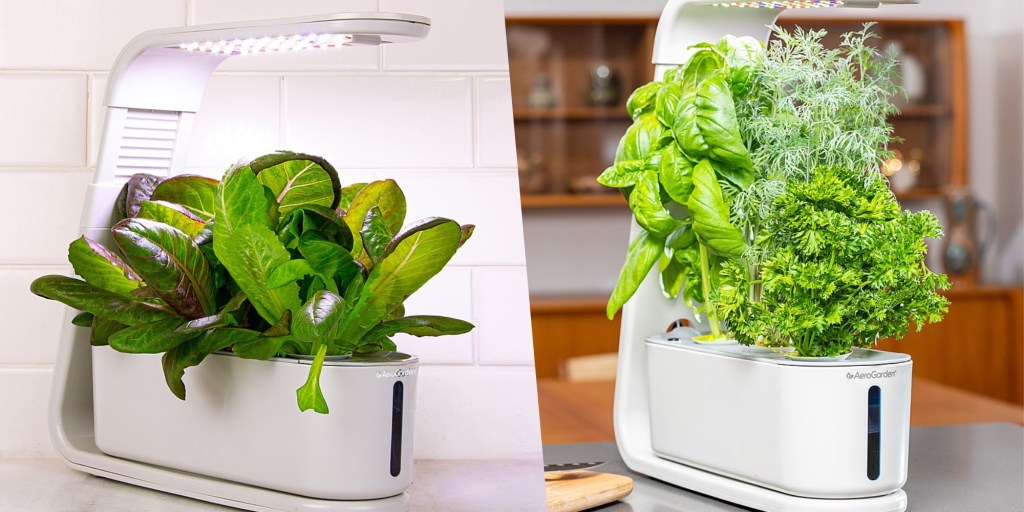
x: 47, y: 485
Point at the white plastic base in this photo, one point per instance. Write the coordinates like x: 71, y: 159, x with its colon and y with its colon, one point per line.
x: 240, y: 422
x: 756, y: 497
x: 72, y: 432
x: 803, y: 428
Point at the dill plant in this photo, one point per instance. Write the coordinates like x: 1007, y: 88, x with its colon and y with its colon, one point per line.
x: 834, y: 262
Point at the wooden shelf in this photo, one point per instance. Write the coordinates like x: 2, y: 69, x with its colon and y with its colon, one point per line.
x: 570, y: 114
x: 923, y: 110
x: 573, y: 200
x: 917, y: 194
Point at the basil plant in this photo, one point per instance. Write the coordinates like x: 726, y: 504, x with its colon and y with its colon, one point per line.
x: 276, y: 259
x: 754, y: 175
x: 678, y: 165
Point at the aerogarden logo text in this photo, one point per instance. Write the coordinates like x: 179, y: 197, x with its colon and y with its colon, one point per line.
x: 874, y: 374
x: 394, y: 374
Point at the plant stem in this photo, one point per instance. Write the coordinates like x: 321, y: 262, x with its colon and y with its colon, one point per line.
x: 705, y: 277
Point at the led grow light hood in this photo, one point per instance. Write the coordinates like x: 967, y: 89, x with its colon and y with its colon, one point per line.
x: 682, y: 24
x: 154, y: 91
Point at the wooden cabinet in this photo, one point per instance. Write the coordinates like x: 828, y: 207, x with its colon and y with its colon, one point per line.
x: 568, y: 141
x: 570, y: 79
x: 977, y: 347
x: 565, y: 138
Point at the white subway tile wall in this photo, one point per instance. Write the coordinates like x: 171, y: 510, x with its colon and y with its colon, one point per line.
x: 435, y: 116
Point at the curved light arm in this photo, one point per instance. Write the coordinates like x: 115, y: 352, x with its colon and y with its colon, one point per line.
x: 686, y: 22
x: 156, y: 86
x: 162, y: 69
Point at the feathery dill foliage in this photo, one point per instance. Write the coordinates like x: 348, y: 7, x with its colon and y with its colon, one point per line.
x: 814, y: 107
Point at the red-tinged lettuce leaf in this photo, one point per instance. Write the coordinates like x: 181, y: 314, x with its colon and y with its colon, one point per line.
x: 102, y: 330
x: 170, y: 263
x: 151, y: 338
x: 408, y: 263
x: 387, y: 196
x: 313, y: 218
x: 194, y: 193
x: 227, y: 316
x: 375, y: 236
x: 317, y: 321
x: 269, y: 343
x: 245, y: 243
x: 83, y: 296
x: 137, y: 189
x: 309, y: 394
x: 194, y: 351
x: 420, y: 325
x: 467, y: 232
x: 83, y: 319
x: 173, y: 215
x: 101, y: 267
x: 298, y: 180
x: 348, y: 193
x: 328, y: 258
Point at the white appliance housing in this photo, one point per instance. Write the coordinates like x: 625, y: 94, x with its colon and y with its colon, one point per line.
x: 154, y: 92
x: 837, y: 429
x: 241, y: 423
x: 682, y: 24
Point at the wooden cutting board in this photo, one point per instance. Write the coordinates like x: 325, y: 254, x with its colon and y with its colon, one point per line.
x: 582, y: 490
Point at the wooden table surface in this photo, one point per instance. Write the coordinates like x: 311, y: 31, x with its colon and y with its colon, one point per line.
x: 581, y: 412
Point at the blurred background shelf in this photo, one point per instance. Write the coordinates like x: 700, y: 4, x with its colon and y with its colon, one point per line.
x: 566, y: 134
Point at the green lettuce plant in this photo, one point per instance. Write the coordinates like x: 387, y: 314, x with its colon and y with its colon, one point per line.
x: 761, y: 168
x: 276, y: 259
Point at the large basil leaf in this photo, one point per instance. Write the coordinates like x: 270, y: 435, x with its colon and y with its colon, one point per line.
x: 420, y: 325
x: 410, y: 261
x: 171, y: 264
x: 296, y: 183
x: 642, y: 139
x: 672, y: 276
x: 622, y: 174
x: 711, y: 214
x: 289, y: 171
x: 151, y: 338
x: 676, y: 175
x: 100, y: 267
x: 245, y: 244
x: 173, y: 215
x: 667, y: 103
x: 137, y: 189
x: 706, y: 127
x: 193, y: 352
x: 650, y: 213
x: 705, y: 62
x: 643, y: 253
x: 642, y: 99
x: 194, y: 193
x: 317, y: 321
x: 83, y: 296
x: 742, y: 55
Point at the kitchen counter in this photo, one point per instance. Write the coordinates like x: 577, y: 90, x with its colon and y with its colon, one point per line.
x: 958, y: 468
x: 47, y: 485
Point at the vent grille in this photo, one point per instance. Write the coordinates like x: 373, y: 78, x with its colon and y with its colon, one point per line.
x: 147, y: 142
